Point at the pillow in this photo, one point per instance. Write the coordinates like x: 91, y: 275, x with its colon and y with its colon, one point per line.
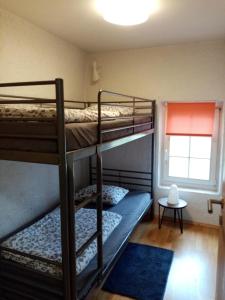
x: 113, y: 110
x: 110, y: 194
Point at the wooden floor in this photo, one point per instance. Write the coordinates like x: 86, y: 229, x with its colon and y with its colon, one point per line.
x: 193, y: 271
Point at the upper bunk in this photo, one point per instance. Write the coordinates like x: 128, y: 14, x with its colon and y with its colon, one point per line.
x: 39, y: 129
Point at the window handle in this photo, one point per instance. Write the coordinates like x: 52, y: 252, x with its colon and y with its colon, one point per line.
x: 213, y: 201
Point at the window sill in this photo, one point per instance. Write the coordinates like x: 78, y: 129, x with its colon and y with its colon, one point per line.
x: 215, y: 193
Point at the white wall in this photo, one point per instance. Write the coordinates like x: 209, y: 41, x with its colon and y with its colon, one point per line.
x: 182, y: 72
x: 188, y: 71
x: 30, y: 53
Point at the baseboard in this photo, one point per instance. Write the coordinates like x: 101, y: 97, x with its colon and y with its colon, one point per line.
x: 189, y: 222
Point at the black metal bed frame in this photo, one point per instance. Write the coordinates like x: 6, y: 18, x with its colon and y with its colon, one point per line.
x: 134, y: 180
x: 65, y: 161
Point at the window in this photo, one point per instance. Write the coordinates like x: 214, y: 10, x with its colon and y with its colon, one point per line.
x: 189, y: 157
x: 190, y: 152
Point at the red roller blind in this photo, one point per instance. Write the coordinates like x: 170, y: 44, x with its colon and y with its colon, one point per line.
x: 194, y: 119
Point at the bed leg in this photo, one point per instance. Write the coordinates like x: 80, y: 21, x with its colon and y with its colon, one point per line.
x: 63, y: 189
x: 71, y: 185
x: 99, y: 213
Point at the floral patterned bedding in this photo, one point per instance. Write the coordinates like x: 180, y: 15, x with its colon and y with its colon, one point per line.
x: 43, y: 239
x: 89, y: 114
x: 111, y: 194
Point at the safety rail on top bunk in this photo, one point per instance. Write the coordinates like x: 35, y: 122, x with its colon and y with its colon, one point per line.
x: 140, y: 107
x: 58, y: 120
x: 134, y: 102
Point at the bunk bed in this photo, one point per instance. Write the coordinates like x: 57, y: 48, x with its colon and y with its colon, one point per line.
x: 57, y: 138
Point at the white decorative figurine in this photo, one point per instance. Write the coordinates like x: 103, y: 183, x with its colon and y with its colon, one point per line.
x: 173, y: 197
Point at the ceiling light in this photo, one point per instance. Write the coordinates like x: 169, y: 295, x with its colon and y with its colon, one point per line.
x: 126, y: 12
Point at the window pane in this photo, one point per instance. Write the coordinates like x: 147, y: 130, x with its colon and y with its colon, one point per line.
x: 199, y: 169
x: 200, y: 147
x: 178, y: 167
x: 179, y: 146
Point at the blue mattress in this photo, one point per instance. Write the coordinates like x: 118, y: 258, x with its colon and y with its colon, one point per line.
x: 131, y: 208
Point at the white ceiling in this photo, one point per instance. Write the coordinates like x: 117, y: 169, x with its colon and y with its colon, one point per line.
x: 177, y: 21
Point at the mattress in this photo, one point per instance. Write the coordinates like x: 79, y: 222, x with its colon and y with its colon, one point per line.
x: 71, y: 115
x: 43, y: 240
x: 78, y: 135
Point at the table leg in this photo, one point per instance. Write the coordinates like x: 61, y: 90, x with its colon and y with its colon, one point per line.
x: 159, y: 216
x: 181, y: 213
x: 174, y: 216
x: 180, y: 217
x: 160, y: 224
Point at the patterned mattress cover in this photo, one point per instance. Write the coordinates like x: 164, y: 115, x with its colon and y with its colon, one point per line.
x: 90, y: 114
x: 43, y: 239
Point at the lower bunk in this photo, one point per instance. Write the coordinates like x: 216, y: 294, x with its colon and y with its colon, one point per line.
x: 24, y: 277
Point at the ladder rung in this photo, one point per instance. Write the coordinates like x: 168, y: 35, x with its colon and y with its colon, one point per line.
x: 86, y: 201
x: 86, y: 244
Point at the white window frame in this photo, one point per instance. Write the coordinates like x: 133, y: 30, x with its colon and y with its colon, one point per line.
x: 210, y: 185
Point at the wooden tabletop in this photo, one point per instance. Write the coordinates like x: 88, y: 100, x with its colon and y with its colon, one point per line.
x: 163, y: 202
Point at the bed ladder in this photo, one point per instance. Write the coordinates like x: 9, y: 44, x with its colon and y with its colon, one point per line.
x: 73, y: 208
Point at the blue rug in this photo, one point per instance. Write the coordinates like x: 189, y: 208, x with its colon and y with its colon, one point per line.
x: 140, y: 273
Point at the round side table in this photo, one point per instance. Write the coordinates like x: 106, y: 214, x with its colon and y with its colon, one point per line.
x: 177, y: 208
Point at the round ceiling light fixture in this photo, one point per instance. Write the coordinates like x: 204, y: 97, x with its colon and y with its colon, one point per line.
x: 126, y: 12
